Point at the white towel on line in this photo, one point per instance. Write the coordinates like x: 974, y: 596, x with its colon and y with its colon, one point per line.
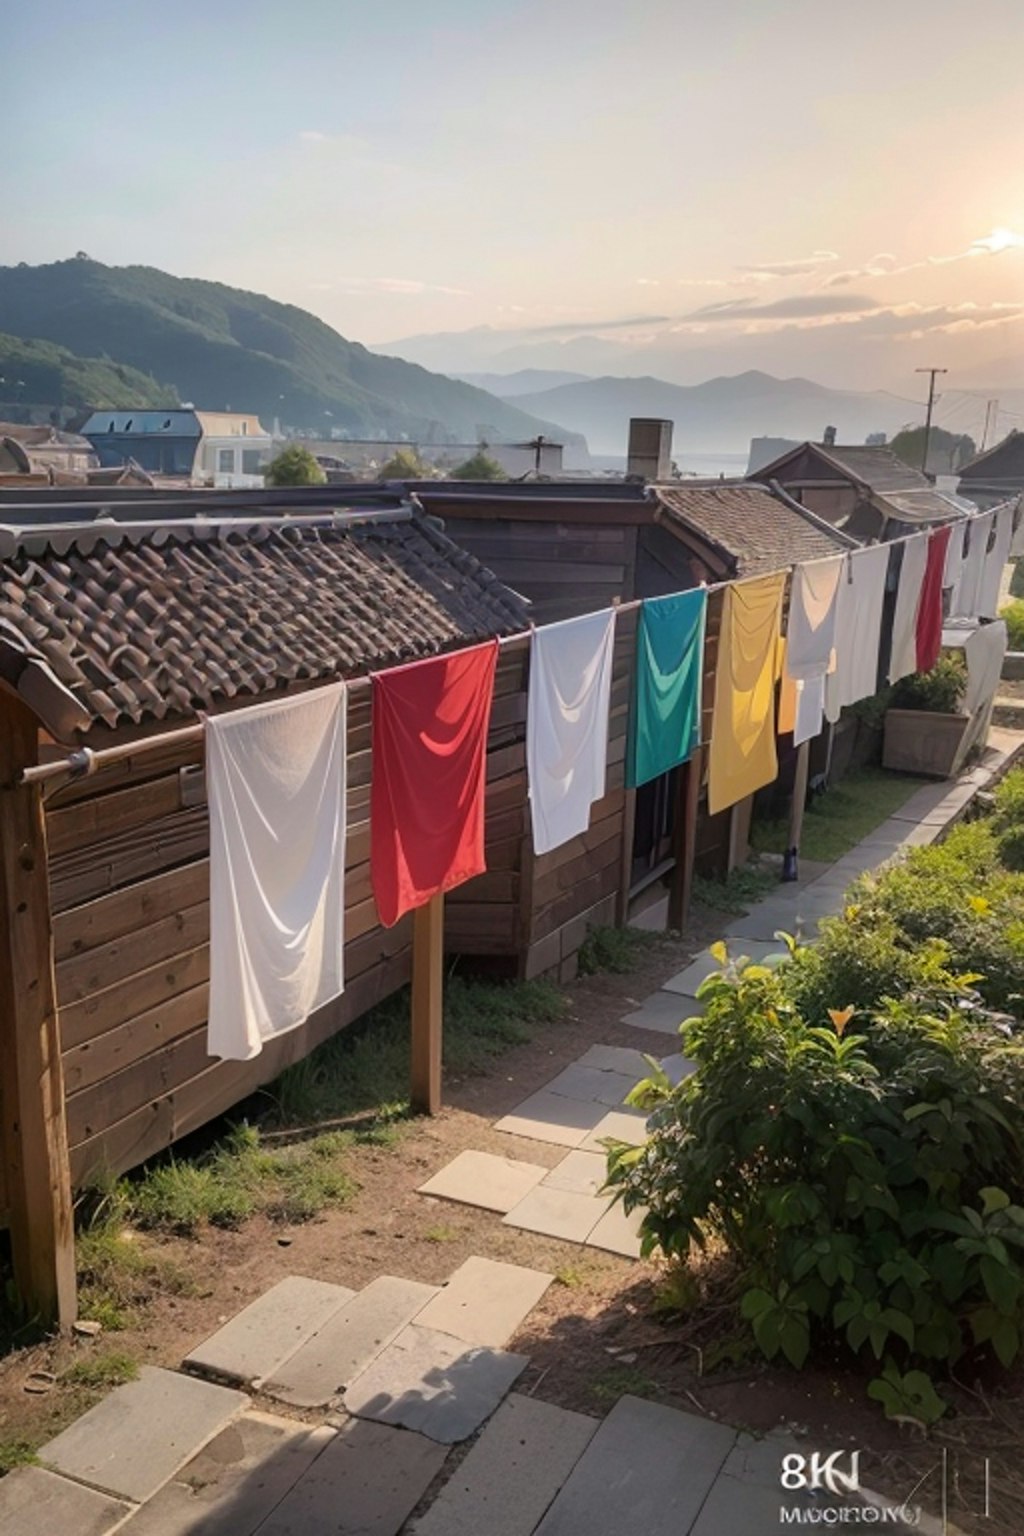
x: 276, y: 787
x: 903, y: 656
x: 567, y: 724
x: 810, y: 638
x: 858, y: 630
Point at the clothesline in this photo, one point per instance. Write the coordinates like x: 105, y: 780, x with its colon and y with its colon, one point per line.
x: 84, y: 761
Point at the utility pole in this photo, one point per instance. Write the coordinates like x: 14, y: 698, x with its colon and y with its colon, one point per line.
x: 991, y: 417
x: 928, y: 415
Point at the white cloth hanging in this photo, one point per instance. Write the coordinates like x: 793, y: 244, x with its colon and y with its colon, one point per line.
x: 567, y: 724
x: 953, y: 573
x: 810, y: 638
x: 979, y: 529
x: 903, y: 656
x: 276, y: 788
x: 984, y: 651
x: 995, y: 564
x: 858, y: 630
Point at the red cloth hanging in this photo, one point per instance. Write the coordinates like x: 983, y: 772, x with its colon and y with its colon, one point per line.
x: 929, y: 608
x: 430, y: 722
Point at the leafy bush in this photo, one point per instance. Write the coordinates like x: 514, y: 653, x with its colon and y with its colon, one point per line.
x: 1008, y: 818
x: 864, y: 1171
x: 940, y: 691
x: 294, y: 466
x: 1013, y: 613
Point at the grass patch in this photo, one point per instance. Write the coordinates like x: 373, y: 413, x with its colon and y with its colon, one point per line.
x: 16, y: 1453
x: 620, y: 950
x: 740, y: 889
x: 440, y: 1234
x: 368, y: 1068
x: 118, y: 1273
x: 836, y: 821
x: 620, y: 1381
x: 98, y: 1372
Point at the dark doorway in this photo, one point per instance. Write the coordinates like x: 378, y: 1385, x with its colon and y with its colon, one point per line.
x: 653, y: 827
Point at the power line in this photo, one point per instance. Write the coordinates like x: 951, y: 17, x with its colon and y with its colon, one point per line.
x: 931, y: 372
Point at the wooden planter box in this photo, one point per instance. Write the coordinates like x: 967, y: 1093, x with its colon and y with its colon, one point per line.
x: 918, y: 741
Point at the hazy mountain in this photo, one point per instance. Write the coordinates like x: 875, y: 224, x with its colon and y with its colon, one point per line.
x: 221, y: 347
x: 509, y: 386
x: 720, y: 415
x: 34, y: 372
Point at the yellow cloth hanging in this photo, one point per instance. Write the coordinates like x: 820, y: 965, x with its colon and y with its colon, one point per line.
x: 743, y: 756
x: 789, y: 690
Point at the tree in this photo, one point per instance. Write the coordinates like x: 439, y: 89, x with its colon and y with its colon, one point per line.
x: 479, y: 467
x: 947, y: 451
x: 404, y: 464
x: 294, y: 466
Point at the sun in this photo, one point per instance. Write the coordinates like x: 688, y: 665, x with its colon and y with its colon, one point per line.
x: 999, y: 240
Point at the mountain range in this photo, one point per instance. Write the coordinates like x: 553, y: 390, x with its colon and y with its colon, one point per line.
x: 219, y: 347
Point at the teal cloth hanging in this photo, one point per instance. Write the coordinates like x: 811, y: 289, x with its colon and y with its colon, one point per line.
x: 667, y: 693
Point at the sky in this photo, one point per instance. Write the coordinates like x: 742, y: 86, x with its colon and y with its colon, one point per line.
x: 704, y: 185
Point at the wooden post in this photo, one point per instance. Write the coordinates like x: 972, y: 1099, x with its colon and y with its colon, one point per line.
x: 687, y: 806
x: 34, y: 1131
x: 427, y: 1005
x: 626, y: 863
x: 799, y: 800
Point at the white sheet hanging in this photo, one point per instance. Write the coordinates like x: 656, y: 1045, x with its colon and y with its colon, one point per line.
x: 984, y: 652
x: 858, y: 630
x: 995, y: 564
x: 276, y: 787
x: 903, y: 656
x: 953, y: 574
x: 567, y: 724
x: 810, y: 638
x: 979, y: 529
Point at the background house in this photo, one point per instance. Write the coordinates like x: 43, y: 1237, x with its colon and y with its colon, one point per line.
x: 45, y: 453
x: 995, y: 476
x: 220, y: 448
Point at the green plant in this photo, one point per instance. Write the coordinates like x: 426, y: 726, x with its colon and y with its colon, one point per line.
x: 860, y: 1164
x: 1013, y: 612
x: 939, y: 691
x: 738, y: 891
x: 1008, y: 818
x: 294, y: 466
x: 112, y: 1369
x: 837, y: 820
x: 404, y: 464
x: 619, y: 950
x: 16, y: 1453
x: 479, y: 466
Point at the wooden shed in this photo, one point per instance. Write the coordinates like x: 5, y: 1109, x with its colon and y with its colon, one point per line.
x: 111, y: 633
x: 572, y: 547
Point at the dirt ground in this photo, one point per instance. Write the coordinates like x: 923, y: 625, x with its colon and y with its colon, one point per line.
x: 595, y: 1335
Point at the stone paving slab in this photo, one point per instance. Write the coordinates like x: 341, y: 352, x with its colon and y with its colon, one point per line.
x: 348, y: 1341
x: 676, y: 1067
x: 431, y: 1383
x: 581, y: 1173
x: 621, y: 1125
x: 133, y: 1441
x: 746, y: 1497
x: 647, y: 1470
x: 558, y: 1213
x: 483, y: 1179
x: 618, y: 1233
x: 484, y: 1302
x: 763, y: 922
x: 34, y: 1502
x: 687, y: 981
x: 591, y: 1084
x: 232, y: 1485
x: 512, y: 1473
x: 551, y: 1117
x: 662, y: 1012
x: 366, y: 1482
x: 260, y: 1338
x: 615, y: 1058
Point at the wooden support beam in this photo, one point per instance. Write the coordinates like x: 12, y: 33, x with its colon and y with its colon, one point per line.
x: 32, y: 1122
x: 626, y: 866
x: 799, y: 800
x: 427, y: 1005
x: 688, y: 803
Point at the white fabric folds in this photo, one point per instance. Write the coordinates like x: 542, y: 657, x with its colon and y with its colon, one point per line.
x: 858, y: 630
x: 276, y: 788
x: 995, y: 564
x: 567, y: 724
x: 953, y: 574
x: 903, y: 656
x: 971, y: 580
x: 810, y: 638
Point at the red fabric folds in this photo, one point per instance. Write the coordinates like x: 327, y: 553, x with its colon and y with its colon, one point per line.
x: 929, y: 608
x: 430, y: 722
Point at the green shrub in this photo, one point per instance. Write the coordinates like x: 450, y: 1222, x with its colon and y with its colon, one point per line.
x: 864, y: 1173
x: 941, y: 690
x: 1013, y: 613
x: 1008, y: 818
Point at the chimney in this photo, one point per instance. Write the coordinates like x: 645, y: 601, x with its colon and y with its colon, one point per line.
x: 829, y: 440
x: 650, y: 449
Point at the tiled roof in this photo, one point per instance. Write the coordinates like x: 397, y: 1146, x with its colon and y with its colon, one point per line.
x: 758, y: 530
x: 1002, y: 464
x: 878, y: 467
x: 113, y: 623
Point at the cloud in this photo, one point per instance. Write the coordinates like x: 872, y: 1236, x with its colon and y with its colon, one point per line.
x: 313, y: 136
x: 648, y: 282
x: 797, y: 307
x: 705, y: 282
x: 882, y: 265
x: 396, y: 285
x: 796, y: 267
